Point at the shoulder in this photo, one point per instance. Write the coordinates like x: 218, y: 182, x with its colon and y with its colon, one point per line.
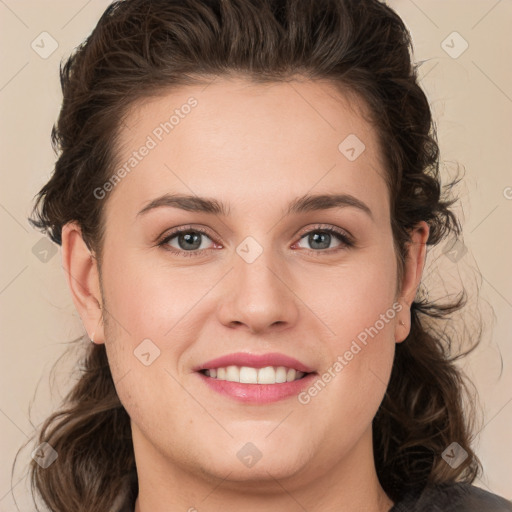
x: 454, y: 497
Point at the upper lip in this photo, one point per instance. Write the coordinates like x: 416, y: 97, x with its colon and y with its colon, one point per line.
x: 254, y: 361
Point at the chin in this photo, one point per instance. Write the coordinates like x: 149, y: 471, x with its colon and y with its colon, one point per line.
x: 247, y: 464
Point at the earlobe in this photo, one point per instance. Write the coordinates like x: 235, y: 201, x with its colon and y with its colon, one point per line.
x: 402, y: 329
x: 413, y: 269
x: 82, y: 276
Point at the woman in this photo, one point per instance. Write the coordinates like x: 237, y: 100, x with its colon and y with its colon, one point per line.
x: 244, y: 197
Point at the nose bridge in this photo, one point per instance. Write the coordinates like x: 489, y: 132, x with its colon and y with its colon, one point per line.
x: 256, y: 266
x: 258, y: 295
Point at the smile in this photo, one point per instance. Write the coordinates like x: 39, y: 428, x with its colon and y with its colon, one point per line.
x: 250, y: 375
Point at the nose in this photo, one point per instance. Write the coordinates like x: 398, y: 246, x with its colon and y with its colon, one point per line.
x: 259, y: 296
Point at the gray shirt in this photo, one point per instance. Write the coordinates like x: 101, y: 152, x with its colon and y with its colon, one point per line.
x: 453, y: 497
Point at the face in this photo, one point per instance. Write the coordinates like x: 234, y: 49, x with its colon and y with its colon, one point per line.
x: 273, y: 274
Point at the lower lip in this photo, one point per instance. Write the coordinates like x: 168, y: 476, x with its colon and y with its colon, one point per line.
x: 258, y: 393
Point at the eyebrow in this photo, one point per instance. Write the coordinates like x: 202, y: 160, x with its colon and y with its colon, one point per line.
x: 304, y: 204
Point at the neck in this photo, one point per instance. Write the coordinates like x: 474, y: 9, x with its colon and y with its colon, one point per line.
x: 349, y: 485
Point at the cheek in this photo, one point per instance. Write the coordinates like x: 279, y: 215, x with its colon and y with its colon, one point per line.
x: 352, y: 384
x: 360, y: 296
x: 153, y: 316
x: 148, y: 301
x: 361, y: 311
x: 161, y: 304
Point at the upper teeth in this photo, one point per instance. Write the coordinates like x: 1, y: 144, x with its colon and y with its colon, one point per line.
x: 249, y: 375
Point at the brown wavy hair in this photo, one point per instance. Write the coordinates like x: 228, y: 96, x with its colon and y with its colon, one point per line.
x: 144, y: 48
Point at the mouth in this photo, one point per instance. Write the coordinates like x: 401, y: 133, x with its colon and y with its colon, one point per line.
x: 256, y: 378
x: 251, y: 375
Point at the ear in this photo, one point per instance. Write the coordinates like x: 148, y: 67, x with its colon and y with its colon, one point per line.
x: 82, y: 275
x: 413, y: 269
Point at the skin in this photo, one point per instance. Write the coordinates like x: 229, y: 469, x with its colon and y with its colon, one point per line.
x: 257, y: 148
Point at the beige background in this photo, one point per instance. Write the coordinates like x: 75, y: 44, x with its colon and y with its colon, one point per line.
x: 471, y: 95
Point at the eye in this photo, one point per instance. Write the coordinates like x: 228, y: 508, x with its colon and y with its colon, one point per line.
x: 189, y: 241
x: 321, y: 238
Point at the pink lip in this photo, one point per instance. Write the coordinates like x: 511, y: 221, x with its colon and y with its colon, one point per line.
x: 255, y: 361
x: 258, y: 393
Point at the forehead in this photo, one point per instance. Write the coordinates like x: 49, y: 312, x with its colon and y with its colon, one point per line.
x: 247, y: 143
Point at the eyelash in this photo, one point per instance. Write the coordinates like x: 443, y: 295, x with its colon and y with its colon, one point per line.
x: 346, y: 241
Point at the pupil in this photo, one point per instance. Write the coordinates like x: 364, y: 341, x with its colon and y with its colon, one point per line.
x: 192, y: 240
x: 320, y: 237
